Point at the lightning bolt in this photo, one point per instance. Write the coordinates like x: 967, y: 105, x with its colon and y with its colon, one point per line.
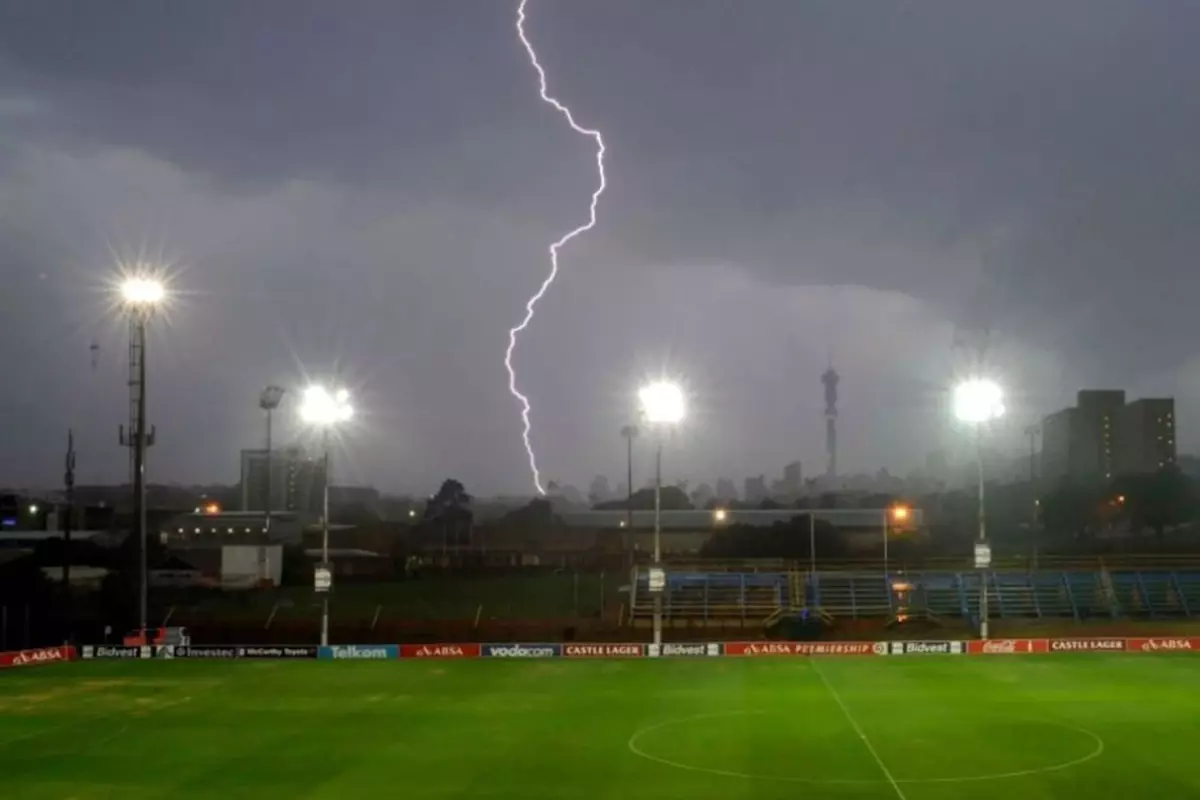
x: 544, y: 91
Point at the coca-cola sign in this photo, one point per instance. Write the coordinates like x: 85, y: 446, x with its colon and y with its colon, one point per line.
x: 604, y: 650
x: 439, y: 651
x: 1006, y: 647
x: 1165, y: 644
x: 803, y: 649
x: 31, y: 658
x: 1086, y: 645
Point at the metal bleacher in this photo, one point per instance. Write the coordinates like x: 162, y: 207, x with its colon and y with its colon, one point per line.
x: 713, y: 597
x: 733, y: 597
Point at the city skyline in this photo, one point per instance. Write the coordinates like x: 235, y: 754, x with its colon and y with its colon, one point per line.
x: 370, y: 206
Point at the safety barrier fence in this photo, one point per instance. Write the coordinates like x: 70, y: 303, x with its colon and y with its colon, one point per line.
x: 577, y: 651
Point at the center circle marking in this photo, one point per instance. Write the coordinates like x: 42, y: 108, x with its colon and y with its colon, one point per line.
x: 637, y: 750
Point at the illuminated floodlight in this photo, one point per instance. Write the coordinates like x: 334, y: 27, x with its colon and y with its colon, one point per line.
x: 321, y: 407
x: 900, y: 513
x: 139, y: 292
x: 978, y: 400
x: 720, y: 515
x: 662, y: 403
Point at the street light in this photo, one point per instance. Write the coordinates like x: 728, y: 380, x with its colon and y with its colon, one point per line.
x: 324, y: 409
x: 977, y: 402
x: 140, y: 295
x: 663, y: 406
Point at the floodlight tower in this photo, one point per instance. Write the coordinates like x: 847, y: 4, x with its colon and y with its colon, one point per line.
x: 268, y: 401
x: 978, y: 402
x: 629, y: 433
x: 141, y: 295
x: 663, y: 408
x: 325, y: 410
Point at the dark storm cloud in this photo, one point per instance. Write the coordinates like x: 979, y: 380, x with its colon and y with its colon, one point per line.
x: 383, y: 171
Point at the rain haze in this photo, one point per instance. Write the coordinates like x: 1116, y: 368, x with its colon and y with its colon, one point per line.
x: 365, y: 190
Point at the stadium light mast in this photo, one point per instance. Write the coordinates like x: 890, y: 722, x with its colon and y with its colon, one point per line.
x: 978, y: 402
x: 269, y: 401
x: 325, y: 410
x: 663, y: 407
x: 140, y: 296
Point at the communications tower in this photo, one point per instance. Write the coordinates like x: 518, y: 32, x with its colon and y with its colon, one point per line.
x: 830, y: 380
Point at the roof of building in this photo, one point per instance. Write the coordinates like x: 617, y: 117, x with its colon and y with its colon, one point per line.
x: 719, y: 518
x: 18, y: 537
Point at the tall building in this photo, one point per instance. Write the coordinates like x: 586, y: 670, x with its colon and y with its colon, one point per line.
x: 754, y: 490
x: 1102, y: 437
x: 1146, y: 435
x: 726, y: 490
x: 296, y: 480
x: 793, y: 479
x: 1098, y: 413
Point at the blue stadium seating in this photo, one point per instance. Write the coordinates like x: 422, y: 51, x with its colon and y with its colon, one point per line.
x: 1012, y: 594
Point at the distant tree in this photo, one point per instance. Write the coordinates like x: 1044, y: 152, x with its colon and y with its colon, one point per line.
x: 784, y: 540
x: 448, y: 514
x: 537, y: 514
x: 599, y: 491
x: 1071, y: 507
x: 673, y: 499
x: 1157, y: 501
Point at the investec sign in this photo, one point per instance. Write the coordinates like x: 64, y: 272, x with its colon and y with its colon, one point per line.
x: 521, y: 650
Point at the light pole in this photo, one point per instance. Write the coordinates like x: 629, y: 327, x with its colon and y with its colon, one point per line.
x: 268, y: 401
x: 898, y: 515
x: 324, y: 409
x: 630, y: 433
x: 663, y: 407
x: 977, y: 402
x: 140, y: 296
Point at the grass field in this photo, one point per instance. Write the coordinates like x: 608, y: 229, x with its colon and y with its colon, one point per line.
x: 917, y: 728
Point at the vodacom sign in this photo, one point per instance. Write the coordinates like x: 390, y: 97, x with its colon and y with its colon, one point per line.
x: 30, y: 658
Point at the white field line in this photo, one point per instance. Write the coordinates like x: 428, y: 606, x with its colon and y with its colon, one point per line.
x: 887, y: 773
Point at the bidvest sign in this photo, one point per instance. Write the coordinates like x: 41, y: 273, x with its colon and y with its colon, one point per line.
x: 682, y: 650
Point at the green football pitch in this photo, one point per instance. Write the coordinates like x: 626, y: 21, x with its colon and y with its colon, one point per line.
x: 918, y: 728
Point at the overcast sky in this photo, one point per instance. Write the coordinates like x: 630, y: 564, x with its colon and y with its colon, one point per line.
x: 366, y: 188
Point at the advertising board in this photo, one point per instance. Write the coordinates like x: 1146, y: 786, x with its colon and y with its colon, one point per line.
x: 805, y: 648
x: 1007, y: 647
x: 604, y: 650
x: 521, y: 650
x: 119, y: 651
x: 684, y: 650
x: 440, y: 650
x: 938, y: 648
x: 1087, y: 645
x: 1164, y: 644
x: 358, y: 652
x: 37, y: 656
